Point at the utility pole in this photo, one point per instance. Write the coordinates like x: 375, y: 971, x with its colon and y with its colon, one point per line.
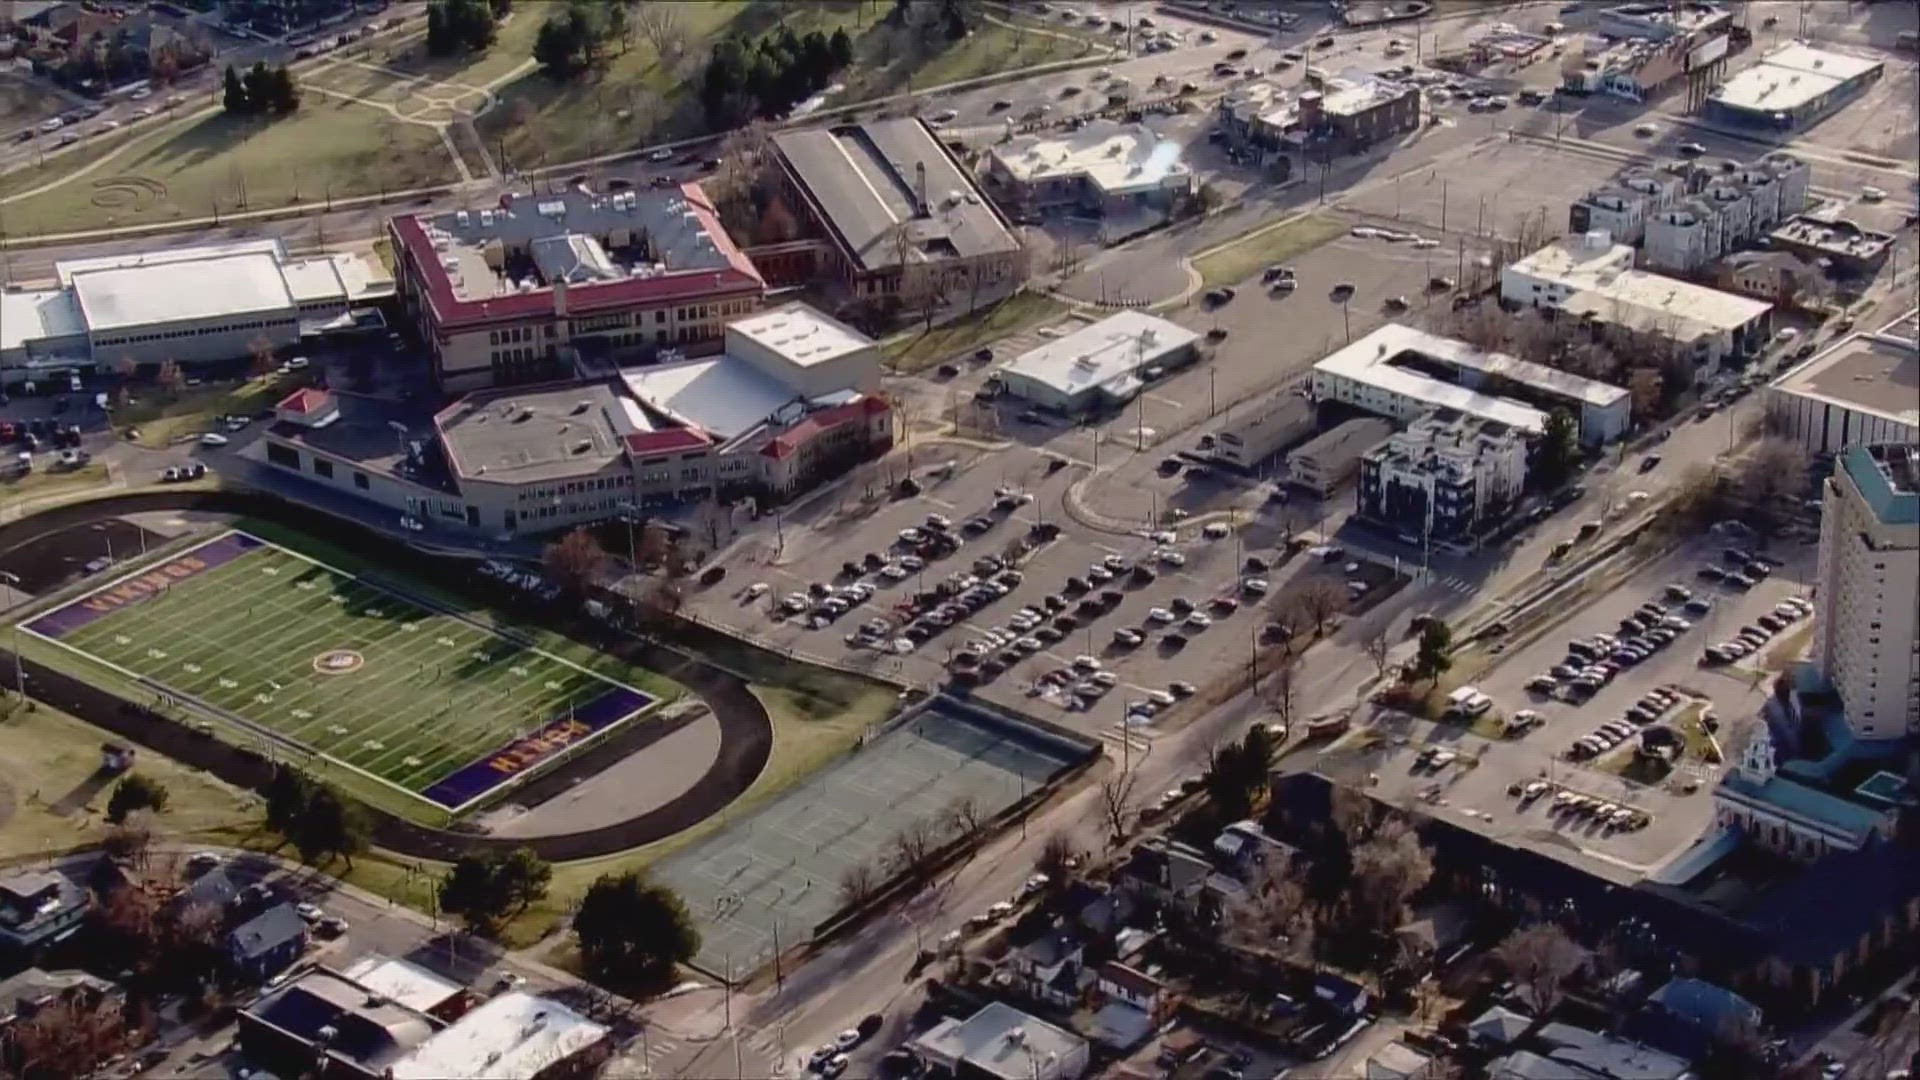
x: 1443, y: 204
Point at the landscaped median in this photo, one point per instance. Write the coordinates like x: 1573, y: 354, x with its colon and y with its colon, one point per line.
x: 1243, y: 257
x: 918, y: 349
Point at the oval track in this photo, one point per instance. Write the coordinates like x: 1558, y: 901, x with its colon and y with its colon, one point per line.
x: 746, y: 731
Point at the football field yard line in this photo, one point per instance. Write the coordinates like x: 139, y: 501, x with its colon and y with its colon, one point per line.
x: 228, y: 623
x: 334, y: 627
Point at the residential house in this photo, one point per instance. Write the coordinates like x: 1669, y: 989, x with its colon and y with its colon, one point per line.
x: 1686, y: 1016
x: 268, y: 943
x: 1398, y: 1061
x: 1133, y: 1005
x: 1498, y: 1027
x: 37, y: 908
x: 1345, y: 997
x: 67, y: 1000
x: 1781, y: 278
x: 1168, y: 873
x: 1047, y: 966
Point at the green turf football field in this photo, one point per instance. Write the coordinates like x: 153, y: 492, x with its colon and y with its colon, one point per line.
x: 367, y: 677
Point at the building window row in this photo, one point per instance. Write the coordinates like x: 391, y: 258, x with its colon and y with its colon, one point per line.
x: 574, y: 487
x: 199, y: 331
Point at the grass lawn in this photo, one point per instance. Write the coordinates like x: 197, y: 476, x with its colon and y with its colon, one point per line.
x: 48, y: 481
x: 163, y: 416
x: 1241, y: 259
x: 637, y: 97
x: 59, y: 800
x: 915, y: 350
x: 425, y: 714
x: 187, y: 169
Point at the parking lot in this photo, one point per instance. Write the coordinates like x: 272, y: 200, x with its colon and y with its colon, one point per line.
x: 1192, y: 594
x: 1676, y: 808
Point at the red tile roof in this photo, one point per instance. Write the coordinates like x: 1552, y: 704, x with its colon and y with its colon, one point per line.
x: 451, y: 312
x: 665, y: 441
x: 826, y: 419
x: 305, y: 400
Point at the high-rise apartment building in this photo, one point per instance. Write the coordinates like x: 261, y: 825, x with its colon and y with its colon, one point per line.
x: 1867, y: 633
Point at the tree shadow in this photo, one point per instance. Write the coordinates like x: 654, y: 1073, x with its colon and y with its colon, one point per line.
x: 81, y: 794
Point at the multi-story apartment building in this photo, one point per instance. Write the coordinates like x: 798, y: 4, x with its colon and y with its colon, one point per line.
x: 1445, y: 479
x: 1866, y: 637
x: 515, y: 293
x: 1685, y: 216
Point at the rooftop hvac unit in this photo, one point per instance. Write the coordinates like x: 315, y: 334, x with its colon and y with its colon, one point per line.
x: 583, y: 446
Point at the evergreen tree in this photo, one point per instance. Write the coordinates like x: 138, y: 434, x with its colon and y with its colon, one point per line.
x: 234, y: 99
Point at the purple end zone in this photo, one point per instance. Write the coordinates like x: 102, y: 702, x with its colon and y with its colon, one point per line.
x: 471, y: 781
x: 146, y: 585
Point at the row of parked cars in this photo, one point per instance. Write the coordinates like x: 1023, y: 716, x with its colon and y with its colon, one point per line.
x: 1651, y: 706
x: 1608, y: 816
x: 1743, y: 569
x: 1755, y: 635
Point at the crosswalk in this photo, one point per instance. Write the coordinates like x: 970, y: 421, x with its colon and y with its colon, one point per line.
x: 1125, y: 740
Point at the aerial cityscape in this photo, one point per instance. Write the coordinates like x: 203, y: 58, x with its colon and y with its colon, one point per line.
x: 964, y: 539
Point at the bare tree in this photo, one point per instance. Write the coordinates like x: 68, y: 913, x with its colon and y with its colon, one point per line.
x: 963, y: 816
x: 169, y: 378
x: 660, y: 25
x: 1320, y: 600
x: 1388, y: 869
x: 1377, y: 640
x: 1541, y: 958
x: 132, y: 839
x: 1353, y: 814
x: 1281, y: 693
x: 1056, y: 857
x: 1116, y: 800
x: 260, y: 349
x: 1274, y: 913
x: 659, y: 601
x: 858, y: 883
x: 574, y: 561
x: 910, y: 848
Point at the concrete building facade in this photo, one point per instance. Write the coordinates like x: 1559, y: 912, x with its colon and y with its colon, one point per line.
x: 1866, y: 637
x: 1263, y: 429
x: 1322, y: 464
x: 1864, y: 388
x: 1445, y: 480
x: 1791, y: 86
x: 1098, y: 366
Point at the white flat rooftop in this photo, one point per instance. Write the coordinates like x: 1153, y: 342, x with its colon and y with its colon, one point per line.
x: 1367, y: 361
x: 511, y: 1036
x: 725, y: 396
x: 65, y: 269
x: 1653, y: 302
x: 397, y: 980
x: 1112, y: 348
x: 212, y: 288
x: 1114, y: 157
x: 800, y: 334
x: 1791, y: 76
x: 37, y: 316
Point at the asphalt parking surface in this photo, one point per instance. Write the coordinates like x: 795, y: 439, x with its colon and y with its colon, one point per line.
x: 1735, y: 694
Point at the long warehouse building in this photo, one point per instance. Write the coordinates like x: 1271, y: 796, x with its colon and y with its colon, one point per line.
x: 1100, y: 365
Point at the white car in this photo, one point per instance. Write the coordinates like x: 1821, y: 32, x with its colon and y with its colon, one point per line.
x: 1254, y: 586
x: 1127, y: 636
x: 1199, y: 621
x: 1872, y: 194
x: 1160, y: 615
x: 847, y: 1039
x: 213, y: 438
x: 1086, y: 663
x: 309, y: 912
x: 1105, y: 679
x: 1162, y: 698
x: 662, y: 154
x: 910, y: 536
x: 1216, y: 531
x: 894, y: 572
x: 756, y: 590
x: 1173, y: 558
